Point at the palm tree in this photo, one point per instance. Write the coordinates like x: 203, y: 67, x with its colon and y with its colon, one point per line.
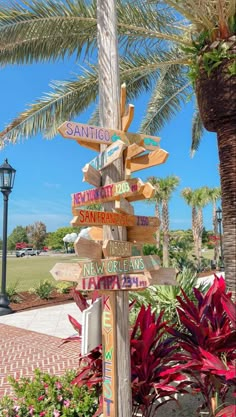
x: 214, y: 195
x: 157, y: 201
x: 169, y: 47
x: 197, y: 199
x: 164, y: 188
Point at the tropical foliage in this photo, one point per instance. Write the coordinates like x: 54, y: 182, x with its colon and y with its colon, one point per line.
x: 164, y: 297
x: 171, y: 48
x: 198, y: 358
x: 207, y: 343
x: 150, y: 356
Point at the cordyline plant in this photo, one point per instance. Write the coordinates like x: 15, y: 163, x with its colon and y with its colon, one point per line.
x: 150, y: 356
x: 207, y: 344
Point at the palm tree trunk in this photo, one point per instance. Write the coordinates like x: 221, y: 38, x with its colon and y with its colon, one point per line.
x: 215, y: 231
x: 158, y: 232
x: 226, y: 134
x: 199, y: 234
x: 165, y: 229
x: 195, y: 231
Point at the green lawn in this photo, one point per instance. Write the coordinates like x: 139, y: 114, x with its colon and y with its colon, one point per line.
x: 28, y: 271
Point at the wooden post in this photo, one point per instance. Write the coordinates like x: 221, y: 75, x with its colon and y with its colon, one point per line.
x: 110, y: 116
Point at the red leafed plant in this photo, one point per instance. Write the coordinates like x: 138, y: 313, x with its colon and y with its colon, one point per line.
x: 208, y: 343
x: 150, y: 355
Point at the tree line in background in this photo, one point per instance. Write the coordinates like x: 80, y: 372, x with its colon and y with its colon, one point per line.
x: 37, y: 236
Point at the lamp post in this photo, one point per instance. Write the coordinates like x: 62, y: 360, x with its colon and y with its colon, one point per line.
x: 219, y: 220
x: 7, y: 176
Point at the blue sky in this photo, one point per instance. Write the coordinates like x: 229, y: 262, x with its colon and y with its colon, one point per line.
x: 49, y: 171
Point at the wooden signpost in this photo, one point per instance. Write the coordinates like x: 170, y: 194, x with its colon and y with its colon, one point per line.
x: 124, y: 266
x: 102, y: 218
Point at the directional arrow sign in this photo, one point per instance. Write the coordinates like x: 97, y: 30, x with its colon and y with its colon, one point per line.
x: 66, y: 272
x: 114, y: 266
x: 108, y: 156
x: 120, y: 248
x: 124, y: 189
x: 147, y: 160
x: 95, y: 134
x: 85, y: 248
x: 141, y: 234
x: 135, y: 234
x: 162, y: 276
x: 103, y: 218
x: 72, y: 272
x: 71, y: 130
x: 151, y: 143
x: 92, y: 176
x: 123, y: 206
x: 115, y: 282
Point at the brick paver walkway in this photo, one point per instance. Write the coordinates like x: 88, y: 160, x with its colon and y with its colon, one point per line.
x: 22, y: 351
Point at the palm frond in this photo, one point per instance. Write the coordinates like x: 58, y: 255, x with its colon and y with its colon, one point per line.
x: 203, y: 14
x: 141, y: 25
x: 67, y: 100
x: 140, y: 72
x: 94, y: 119
x: 170, y: 92
x: 49, y: 29
x: 197, y: 131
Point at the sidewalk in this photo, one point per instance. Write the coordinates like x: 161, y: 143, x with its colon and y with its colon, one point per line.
x: 32, y: 339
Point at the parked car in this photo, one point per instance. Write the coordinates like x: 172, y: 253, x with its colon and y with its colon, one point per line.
x: 27, y: 252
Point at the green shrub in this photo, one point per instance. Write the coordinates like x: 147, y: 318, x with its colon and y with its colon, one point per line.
x: 12, y: 293
x: 164, y: 297
x: 48, y: 396
x: 64, y: 287
x: 44, y: 290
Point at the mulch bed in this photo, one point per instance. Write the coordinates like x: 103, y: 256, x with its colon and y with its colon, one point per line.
x: 29, y: 301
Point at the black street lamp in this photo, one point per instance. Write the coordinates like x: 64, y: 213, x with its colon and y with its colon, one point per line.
x: 219, y: 220
x: 7, y: 176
